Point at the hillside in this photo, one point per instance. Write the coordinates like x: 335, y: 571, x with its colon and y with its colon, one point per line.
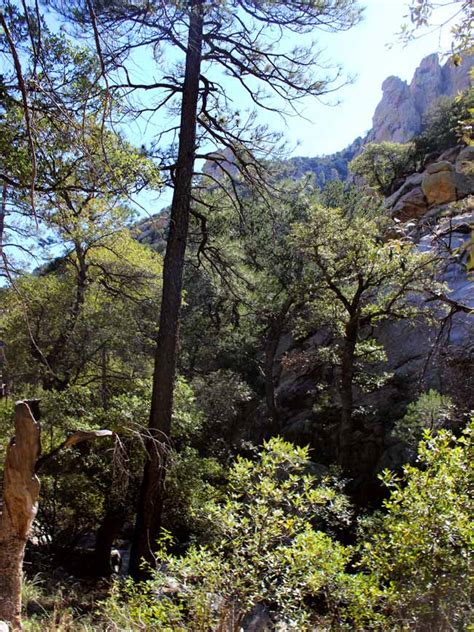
x: 253, y: 411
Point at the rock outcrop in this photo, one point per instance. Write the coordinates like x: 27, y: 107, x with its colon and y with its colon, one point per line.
x: 154, y: 230
x: 439, y: 183
x: 465, y: 161
x: 432, y: 211
x: 442, y: 182
x: 398, y: 116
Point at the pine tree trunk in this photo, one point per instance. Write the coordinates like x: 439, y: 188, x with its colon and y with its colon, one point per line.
x: 271, y: 347
x: 20, y: 502
x: 3, y: 212
x: 150, y: 506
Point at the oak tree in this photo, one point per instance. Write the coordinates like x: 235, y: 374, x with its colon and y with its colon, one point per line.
x: 354, y: 281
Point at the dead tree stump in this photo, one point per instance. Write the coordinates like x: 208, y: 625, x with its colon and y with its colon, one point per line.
x: 21, y: 489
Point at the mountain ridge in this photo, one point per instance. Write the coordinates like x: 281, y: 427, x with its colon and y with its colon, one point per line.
x: 398, y: 116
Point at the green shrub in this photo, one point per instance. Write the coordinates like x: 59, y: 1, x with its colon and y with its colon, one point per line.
x: 6, y: 426
x: 410, y: 570
x: 382, y: 164
x: 419, y: 551
x: 267, y: 549
x: 192, y: 480
x: 446, y: 124
x: 431, y: 411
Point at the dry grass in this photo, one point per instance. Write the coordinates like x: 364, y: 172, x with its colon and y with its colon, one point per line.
x: 66, y: 605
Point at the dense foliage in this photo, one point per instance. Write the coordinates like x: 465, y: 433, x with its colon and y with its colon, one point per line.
x: 274, y: 402
x: 409, y: 571
x: 382, y: 165
x: 447, y: 123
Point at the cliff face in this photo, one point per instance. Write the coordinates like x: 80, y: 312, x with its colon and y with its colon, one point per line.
x: 435, y: 211
x: 398, y: 117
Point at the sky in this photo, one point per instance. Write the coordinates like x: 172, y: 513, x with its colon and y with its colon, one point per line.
x: 363, y: 52
x: 369, y: 52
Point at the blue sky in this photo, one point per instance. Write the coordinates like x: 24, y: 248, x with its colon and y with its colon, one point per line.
x: 363, y: 52
x: 369, y: 52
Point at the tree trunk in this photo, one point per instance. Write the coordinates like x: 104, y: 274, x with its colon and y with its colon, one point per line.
x: 150, y: 505
x: 21, y: 489
x: 3, y: 212
x: 347, y: 398
x: 106, y: 534
x: 271, y: 347
x: 52, y: 380
x: 104, y: 389
x: 20, y: 502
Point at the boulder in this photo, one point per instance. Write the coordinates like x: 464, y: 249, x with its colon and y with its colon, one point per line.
x: 440, y: 165
x: 410, y: 183
x: 412, y: 205
x: 465, y: 161
x: 439, y: 184
x: 464, y: 185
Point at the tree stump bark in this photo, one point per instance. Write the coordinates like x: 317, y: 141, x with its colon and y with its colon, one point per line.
x: 21, y: 489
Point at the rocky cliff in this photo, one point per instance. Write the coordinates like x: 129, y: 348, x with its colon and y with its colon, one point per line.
x: 399, y: 115
x: 434, y: 210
